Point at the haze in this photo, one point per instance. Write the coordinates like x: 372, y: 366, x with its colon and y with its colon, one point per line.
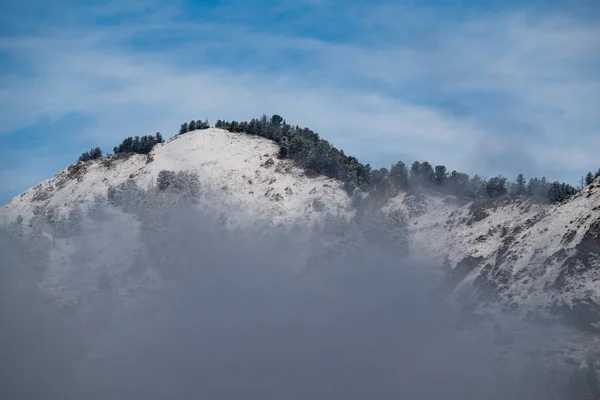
x: 238, y: 315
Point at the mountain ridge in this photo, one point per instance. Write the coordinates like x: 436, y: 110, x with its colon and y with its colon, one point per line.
x: 541, y: 259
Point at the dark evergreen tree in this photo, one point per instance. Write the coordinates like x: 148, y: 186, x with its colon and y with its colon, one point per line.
x: 558, y: 192
x: 84, y: 156
x: 378, y: 175
x: 440, y: 174
x: 589, y: 178
x: 159, y: 138
x: 555, y: 193
x: 532, y: 186
x: 415, y: 172
x: 136, y: 145
x: 427, y: 173
x: 184, y: 128
x: 276, y: 120
x: 544, y: 186
x: 458, y: 183
x: 399, y: 174
x: 597, y: 174
x: 538, y: 188
x: 93, y: 154
x: 496, y: 187
x: 202, y: 125
x: 520, y: 187
x: 192, y: 126
x: 476, y: 187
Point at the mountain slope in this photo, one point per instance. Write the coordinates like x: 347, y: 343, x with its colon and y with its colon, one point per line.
x: 241, y: 171
x: 529, y: 256
x: 542, y: 260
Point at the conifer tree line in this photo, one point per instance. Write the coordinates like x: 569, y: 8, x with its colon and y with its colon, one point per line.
x: 93, y: 154
x: 310, y: 151
x: 137, y: 144
x: 192, y: 126
x: 306, y: 148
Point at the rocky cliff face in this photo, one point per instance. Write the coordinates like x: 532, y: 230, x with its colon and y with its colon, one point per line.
x: 540, y: 259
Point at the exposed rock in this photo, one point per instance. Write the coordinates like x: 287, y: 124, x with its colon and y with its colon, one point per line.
x: 269, y: 163
x: 375, y: 200
x: 318, y: 205
x: 460, y: 272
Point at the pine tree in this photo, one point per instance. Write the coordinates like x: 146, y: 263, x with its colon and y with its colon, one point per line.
x: 136, y: 145
x: 276, y: 120
x: 399, y: 174
x: 555, y: 193
x: 427, y: 172
x: 202, y: 125
x: 520, y: 185
x: 159, y: 138
x: 532, y: 186
x: 589, y: 178
x: 458, y: 183
x: 496, y: 187
x: 543, y: 187
x: 184, y: 128
x: 597, y: 173
x: 93, y: 154
x: 440, y: 174
x: 378, y: 175
x: 192, y: 126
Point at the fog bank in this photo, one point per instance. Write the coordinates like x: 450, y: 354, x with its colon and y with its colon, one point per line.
x: 235, y: 315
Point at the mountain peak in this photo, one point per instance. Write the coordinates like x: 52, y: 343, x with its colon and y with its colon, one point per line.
x: 242, y: 170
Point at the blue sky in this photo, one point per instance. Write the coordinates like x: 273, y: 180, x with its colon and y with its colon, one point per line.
x: 495, y: 87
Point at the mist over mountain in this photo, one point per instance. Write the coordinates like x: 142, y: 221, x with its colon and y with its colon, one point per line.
x: 257, y: 260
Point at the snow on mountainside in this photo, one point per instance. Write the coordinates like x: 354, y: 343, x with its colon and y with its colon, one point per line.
x: 241, y: 170
x: 534, y: 257
x: 525, y: 256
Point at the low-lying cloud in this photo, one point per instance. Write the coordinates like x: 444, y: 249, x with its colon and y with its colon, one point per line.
x: 183, y: 308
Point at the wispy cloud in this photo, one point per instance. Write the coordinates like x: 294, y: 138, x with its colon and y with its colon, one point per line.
x: 470, y: 91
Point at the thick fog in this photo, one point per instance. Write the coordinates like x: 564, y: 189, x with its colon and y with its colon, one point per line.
x: 170, y: 304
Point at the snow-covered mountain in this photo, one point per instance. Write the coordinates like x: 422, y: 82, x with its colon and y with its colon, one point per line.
x: 241, y: 170
x: 542, y: 260
x: 537, y: 258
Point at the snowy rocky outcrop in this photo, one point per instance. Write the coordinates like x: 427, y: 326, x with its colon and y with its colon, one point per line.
x: 541, y: 259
